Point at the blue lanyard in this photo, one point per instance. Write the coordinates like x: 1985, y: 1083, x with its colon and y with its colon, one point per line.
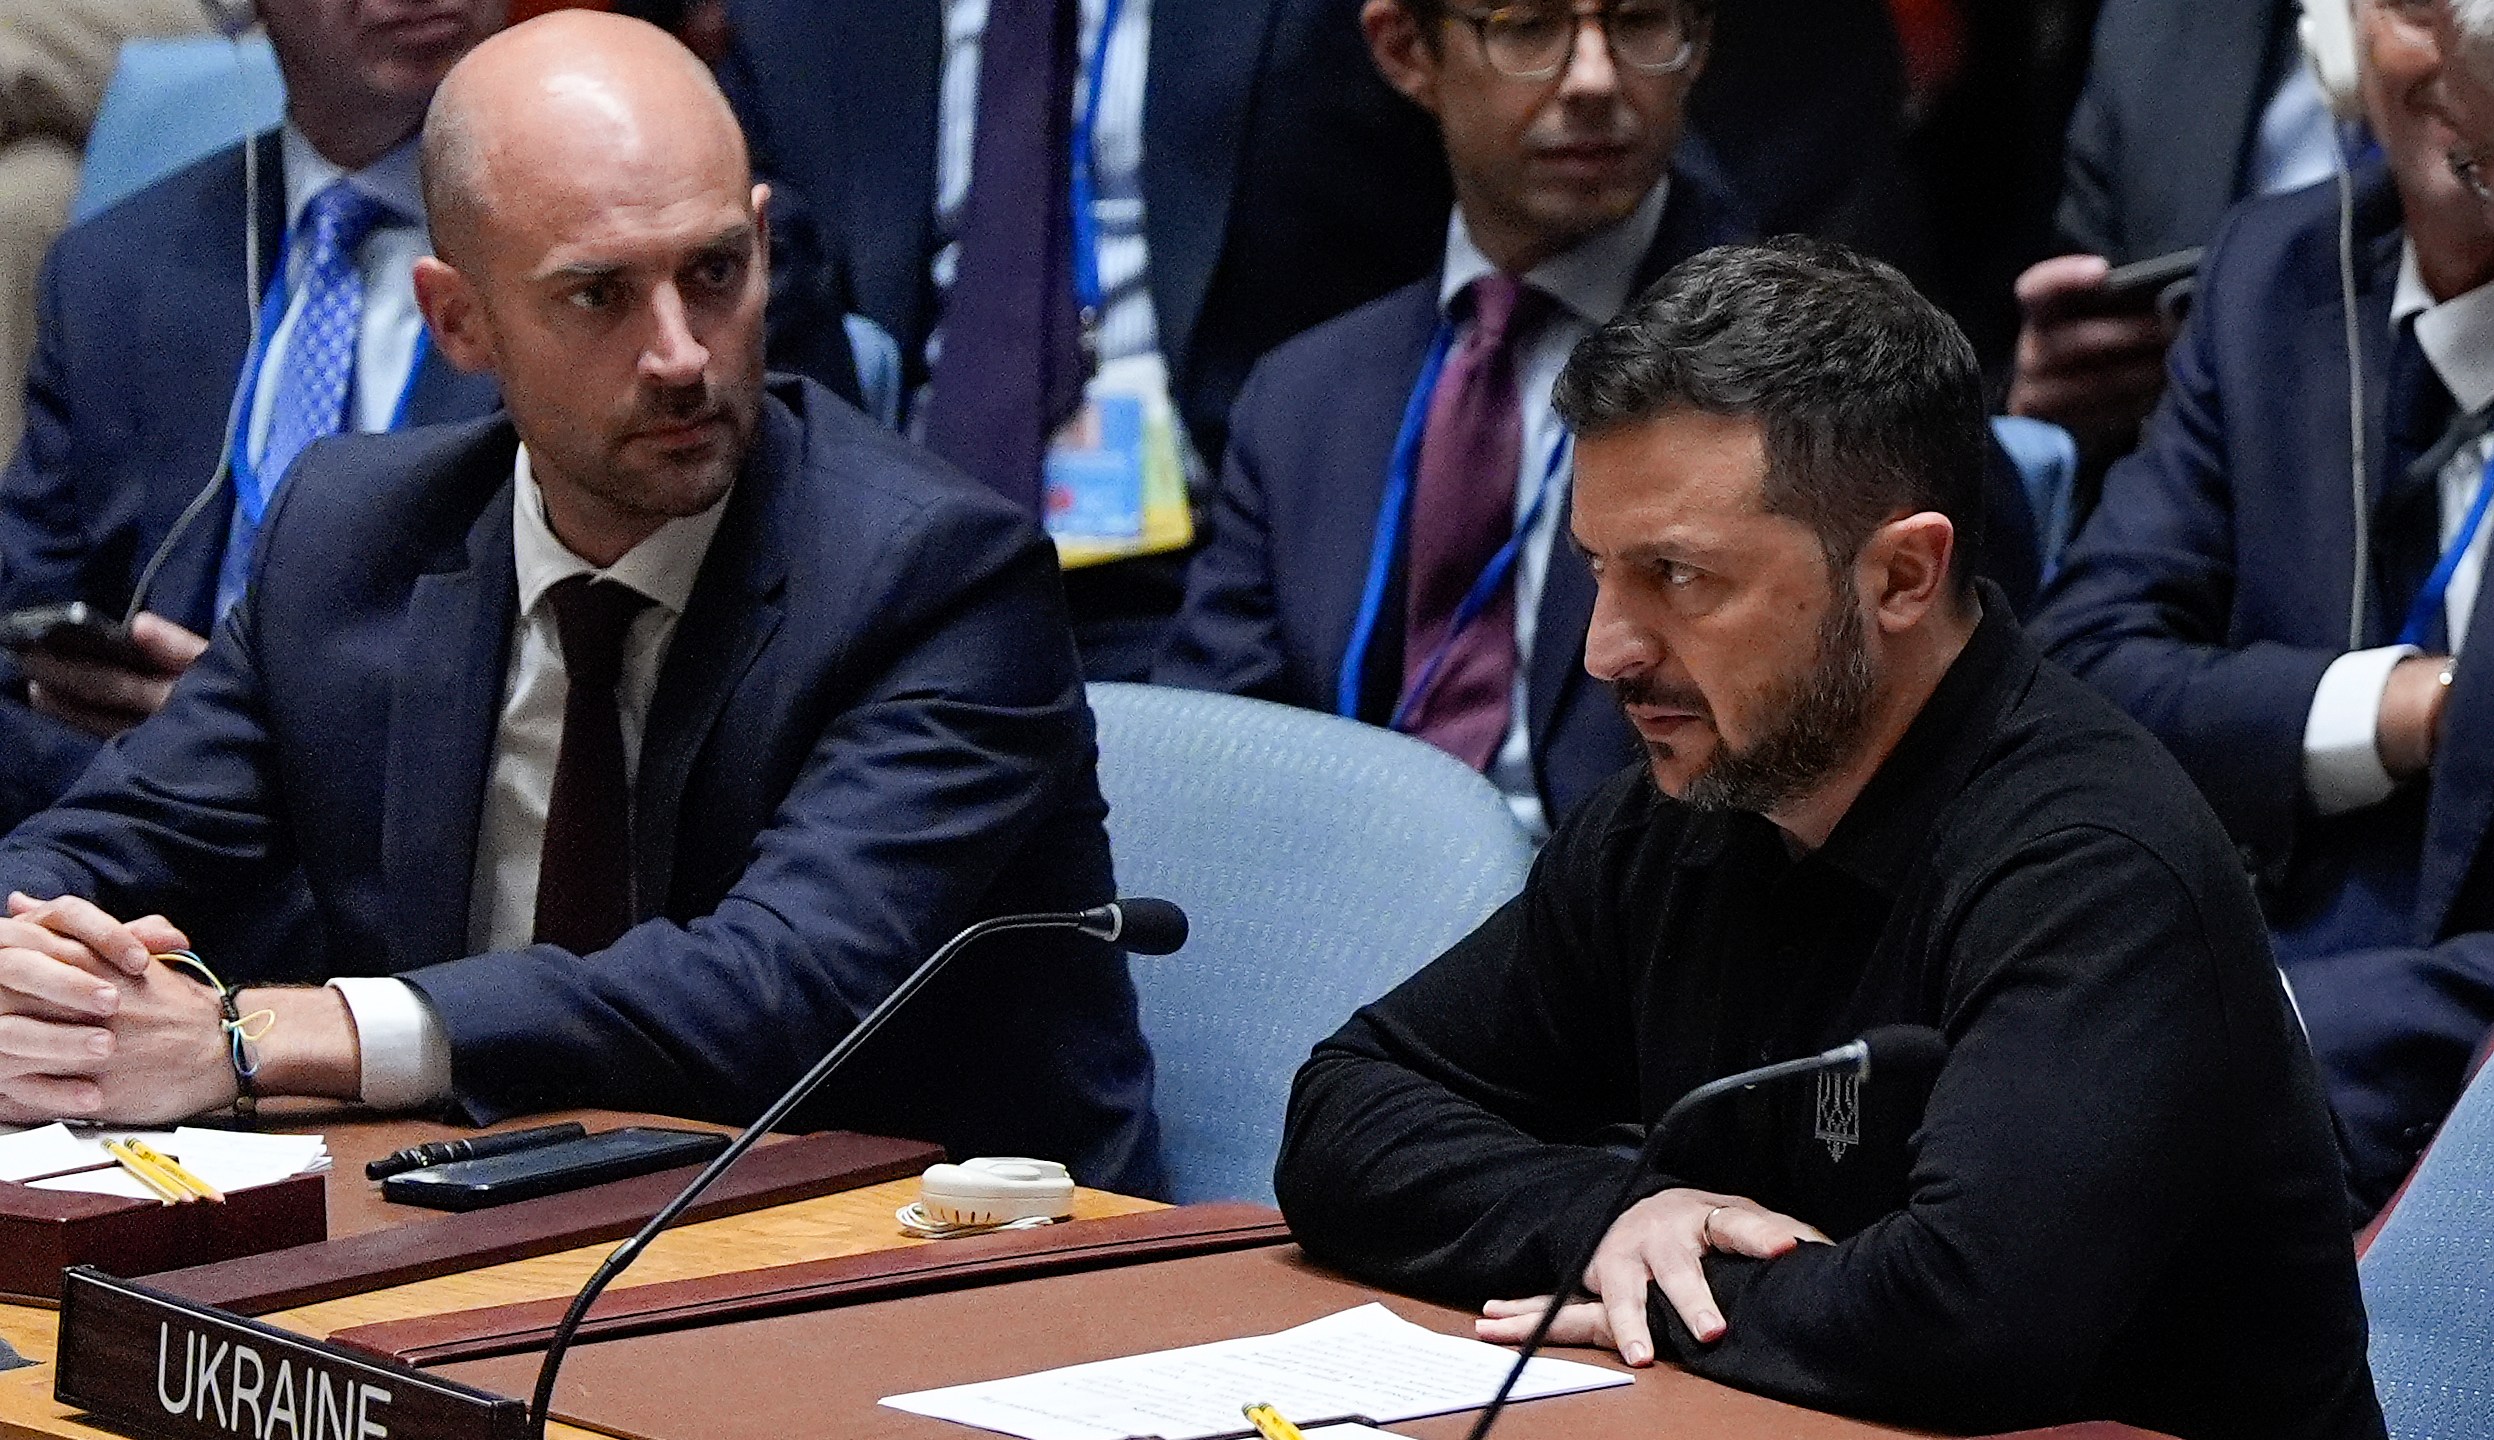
x: 1402, y: 470
x: 2437, y: 585
x: 248, y: 492
x: 1085, y: 171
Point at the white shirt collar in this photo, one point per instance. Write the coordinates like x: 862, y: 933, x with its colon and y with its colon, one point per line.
x: 661, y: 568
x: 1593, y: 279
x: 392, y: 179
x: 2457, y: 335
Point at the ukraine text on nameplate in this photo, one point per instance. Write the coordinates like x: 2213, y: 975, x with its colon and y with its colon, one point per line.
x: 156, y: 1365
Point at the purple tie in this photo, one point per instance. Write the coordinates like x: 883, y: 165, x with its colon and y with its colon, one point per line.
x: 1011, y: 367
x: 1463, y: 510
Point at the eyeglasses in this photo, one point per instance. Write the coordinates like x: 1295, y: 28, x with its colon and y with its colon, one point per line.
x: 2468, y: 168
x: 1535, y: 42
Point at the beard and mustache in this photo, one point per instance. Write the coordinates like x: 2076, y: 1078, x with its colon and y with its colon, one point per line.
x: 1816, y: 721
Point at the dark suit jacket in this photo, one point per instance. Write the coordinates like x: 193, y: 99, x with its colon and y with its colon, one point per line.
x: 1272, y: 597
x: 868, y: 733
x: 2161, y: 142
x: 2209, y: 593
x: 1283, y: 182
x: 141, y: 329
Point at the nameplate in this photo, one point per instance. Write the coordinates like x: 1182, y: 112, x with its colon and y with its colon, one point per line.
x: 166, y: 1368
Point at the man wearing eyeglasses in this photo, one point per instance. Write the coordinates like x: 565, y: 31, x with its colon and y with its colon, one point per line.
x: 2283, y: 585
x: 1383, y: 542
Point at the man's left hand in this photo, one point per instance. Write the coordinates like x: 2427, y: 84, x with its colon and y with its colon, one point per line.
x: 1659, y: 1241
x: 165, y: 1054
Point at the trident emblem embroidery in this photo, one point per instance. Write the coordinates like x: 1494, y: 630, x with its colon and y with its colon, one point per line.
x: 1839, y: 1112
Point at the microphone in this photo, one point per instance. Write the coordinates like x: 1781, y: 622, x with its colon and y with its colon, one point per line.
x: 1142, y: 926
x: 1906, y: 1048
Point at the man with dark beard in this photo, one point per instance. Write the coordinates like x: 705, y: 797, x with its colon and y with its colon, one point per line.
x: 1867, y: 802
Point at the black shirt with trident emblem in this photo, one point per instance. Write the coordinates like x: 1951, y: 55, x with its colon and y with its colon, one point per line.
x: 2119, y: 1199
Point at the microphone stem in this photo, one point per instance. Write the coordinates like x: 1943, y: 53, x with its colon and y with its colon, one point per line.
x: 542, y: 1405
x: 1572, y: 1276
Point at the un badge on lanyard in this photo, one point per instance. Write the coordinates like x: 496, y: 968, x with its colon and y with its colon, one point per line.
x: 1116, y: 483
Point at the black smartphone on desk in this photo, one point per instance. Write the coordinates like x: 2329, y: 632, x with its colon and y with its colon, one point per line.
x: 552, y: 1169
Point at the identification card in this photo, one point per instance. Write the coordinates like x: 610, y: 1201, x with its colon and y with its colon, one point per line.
x: 1116, y: 478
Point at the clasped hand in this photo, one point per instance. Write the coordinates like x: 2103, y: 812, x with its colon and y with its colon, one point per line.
x: 1660, y: 1241
x: 92, y: 1027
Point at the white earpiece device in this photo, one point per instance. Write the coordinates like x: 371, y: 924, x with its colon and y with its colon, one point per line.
x: 2326, y: 29
x: 996, y: 1191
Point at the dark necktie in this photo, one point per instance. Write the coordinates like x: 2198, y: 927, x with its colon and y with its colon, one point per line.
x: 2417, y: 409
x: 1463, y: 510
x: 584, y: 874
x: 1012, y: 365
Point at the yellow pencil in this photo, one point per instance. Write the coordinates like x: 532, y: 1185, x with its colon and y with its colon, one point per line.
x: 165, y: 1187
x: 176, y: 1169
x: 1270, y: 1424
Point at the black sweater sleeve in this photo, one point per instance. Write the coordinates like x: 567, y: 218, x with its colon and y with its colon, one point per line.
x: 2068, y: 1146
x: 1448, y: 1141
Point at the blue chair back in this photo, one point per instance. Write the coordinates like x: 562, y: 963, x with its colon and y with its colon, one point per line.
x: 2429, y: 1284
x: 171, y: 102
x: 1320, y: 862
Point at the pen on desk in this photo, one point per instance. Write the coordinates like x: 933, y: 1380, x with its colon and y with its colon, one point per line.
x: 443, y: 1152
x: 174, y: 1168
x: 1270, y: 1424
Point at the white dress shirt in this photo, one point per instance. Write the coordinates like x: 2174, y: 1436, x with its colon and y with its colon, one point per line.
x: 406, y: 1057
x: 385, y: 353
x: 1591, y: 283
x: 1127, y: 325
x: 2342, y: 754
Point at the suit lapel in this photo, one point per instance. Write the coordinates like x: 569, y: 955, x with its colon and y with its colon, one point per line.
x: 734, y: 611
x: 445, y: 701
x: 1343, y: 510
x: 2234, y: 45
x: 1202, y: 73
x: 889, y: 145
x: 203, y: 255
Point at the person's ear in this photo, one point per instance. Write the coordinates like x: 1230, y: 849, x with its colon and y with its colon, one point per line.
x: 1405, y: 56
x: 1907, y: 569
x: 762, y: 224
x: 454, y: 314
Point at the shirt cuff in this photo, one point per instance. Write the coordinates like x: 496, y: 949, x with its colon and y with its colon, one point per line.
x: 2342, y: 736
x: 406, y: 1053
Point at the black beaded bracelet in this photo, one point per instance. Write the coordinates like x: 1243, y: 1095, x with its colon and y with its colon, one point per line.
x: 236, y: 1026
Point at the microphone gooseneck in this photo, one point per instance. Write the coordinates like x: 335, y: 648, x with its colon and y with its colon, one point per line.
x: 1143, y: 924
x: 1906, y: 1048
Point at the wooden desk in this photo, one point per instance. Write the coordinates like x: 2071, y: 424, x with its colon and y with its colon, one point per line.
x: 845, y: 1224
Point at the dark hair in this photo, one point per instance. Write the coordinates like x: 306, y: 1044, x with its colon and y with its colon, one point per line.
x: 1871, y: 398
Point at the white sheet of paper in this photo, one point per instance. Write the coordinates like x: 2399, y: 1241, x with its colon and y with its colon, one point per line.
x: 1364, y: 1361
x: 47, y: 1150
x: 226, y: 1159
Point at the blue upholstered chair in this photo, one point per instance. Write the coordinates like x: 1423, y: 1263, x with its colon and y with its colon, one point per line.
x: 1321, y: 862
x: 171, y: 102
x: 2429, y: 1284
x: 2046, y: 458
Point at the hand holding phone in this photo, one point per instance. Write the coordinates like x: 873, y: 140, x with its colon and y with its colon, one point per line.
x: 2091, y: 353
x: 94, y: 673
